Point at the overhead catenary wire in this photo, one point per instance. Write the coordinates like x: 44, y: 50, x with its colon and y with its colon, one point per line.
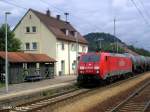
x: 62, y: 11
x: 140, y: 12
x: 146, y: 12
x: 13, y: 4
x: 58, y: 9
x: 47, y: 3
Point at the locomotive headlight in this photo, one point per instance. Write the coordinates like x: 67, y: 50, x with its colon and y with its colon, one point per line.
x: 81, y: 67
x: 81, y: 71
x: 96, y: 67
x: 97, y: 71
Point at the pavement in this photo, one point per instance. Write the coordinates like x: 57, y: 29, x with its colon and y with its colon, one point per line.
x: 17, y: 89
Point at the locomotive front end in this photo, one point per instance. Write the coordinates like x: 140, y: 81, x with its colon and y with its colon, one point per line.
x: 89, y: 68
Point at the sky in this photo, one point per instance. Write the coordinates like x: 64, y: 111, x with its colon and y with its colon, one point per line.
x: 132, y: 24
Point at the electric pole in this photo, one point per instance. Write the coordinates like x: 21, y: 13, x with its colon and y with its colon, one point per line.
x: 115, y: 40
x: 114, y: 32
x: 100, y: 42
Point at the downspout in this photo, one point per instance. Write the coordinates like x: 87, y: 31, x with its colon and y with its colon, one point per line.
x: 69, y: 57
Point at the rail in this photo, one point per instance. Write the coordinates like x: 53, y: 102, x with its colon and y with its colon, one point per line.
x: 118, y: 107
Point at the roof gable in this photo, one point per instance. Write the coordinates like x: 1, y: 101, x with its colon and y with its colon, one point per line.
x: 55, y: 26
x: 20, y: 21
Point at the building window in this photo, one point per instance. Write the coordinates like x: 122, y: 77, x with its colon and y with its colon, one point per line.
x: 33, y: 28
x: 34, y: 45
x: 27, y: 29
x: 27, y: 46
x: 62, y: 46
x: 73, y: 47
x: 37, y: 65
x: 83, y: 49
x: 62, y: 67
x: 73, y: 33
x: 30, y: 17
x: 74, y: 65
x: 65, y: 31
x: 25, y: 66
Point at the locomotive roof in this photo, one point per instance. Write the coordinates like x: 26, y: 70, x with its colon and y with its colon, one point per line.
x: 109, y: 54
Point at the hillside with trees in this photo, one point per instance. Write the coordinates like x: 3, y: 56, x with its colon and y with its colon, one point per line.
x: 140, y: 51
x: 109, y: 43
x: 13, y: 43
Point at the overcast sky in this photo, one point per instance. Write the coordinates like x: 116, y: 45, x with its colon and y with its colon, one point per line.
x: 91, y: 16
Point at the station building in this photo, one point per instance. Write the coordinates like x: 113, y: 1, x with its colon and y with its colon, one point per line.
x: 42, y: 33
x: 22, y: 65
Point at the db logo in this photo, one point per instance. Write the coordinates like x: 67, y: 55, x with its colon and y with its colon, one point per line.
x: 121, y: 63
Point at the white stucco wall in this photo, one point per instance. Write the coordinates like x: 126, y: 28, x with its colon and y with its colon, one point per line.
x: 20, y: 31
x: 47, y: 42
x: 62, y: 55
x: 68, y: 55
x: 45, y: 39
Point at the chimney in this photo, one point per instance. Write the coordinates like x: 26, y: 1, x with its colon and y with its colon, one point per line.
x: 48, y: 13
x: 66, y: 14
x: 58, y: 17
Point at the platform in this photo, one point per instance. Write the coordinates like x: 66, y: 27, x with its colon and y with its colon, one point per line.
x: 31, y: 88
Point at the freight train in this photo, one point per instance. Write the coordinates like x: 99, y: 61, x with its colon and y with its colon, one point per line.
x: 103, y: 66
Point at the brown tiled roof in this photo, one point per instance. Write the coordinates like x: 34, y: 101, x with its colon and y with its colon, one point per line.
x: 55, y: 26
x: 17, y: 57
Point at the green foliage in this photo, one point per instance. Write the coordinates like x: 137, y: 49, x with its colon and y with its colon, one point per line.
x: 140, y: 51
x: 13, y: 43
x: 2, y: 84
x: 112, y: 48
x: 108, y: 44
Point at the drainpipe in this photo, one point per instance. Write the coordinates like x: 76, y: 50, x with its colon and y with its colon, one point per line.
x: 69, y: 57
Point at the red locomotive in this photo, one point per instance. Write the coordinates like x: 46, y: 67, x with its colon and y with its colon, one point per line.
x: 108, y: 66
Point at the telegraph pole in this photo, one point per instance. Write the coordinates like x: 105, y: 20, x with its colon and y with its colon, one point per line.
x: 100, y: 42
x: 115, y: 36
x: 114, y: 32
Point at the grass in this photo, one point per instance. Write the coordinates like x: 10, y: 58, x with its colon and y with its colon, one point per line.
x: 2, y: 84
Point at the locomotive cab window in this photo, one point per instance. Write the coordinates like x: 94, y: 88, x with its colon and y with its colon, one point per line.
x: 90, y: 58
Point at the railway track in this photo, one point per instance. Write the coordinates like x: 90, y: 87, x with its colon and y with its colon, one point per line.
x: 60, y: 97
x: 35, y: 106
x: 139, y: 101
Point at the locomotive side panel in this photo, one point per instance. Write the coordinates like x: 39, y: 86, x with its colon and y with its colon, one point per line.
x: 117, y: 66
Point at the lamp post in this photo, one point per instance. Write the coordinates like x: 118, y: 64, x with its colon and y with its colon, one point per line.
x: 100, y: 42
x: 6, y: 55
x: 114, y: 32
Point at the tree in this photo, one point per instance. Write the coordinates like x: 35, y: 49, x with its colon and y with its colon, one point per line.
x: 13, y: 43
x: 140, y: 51
x: 107, y: 44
